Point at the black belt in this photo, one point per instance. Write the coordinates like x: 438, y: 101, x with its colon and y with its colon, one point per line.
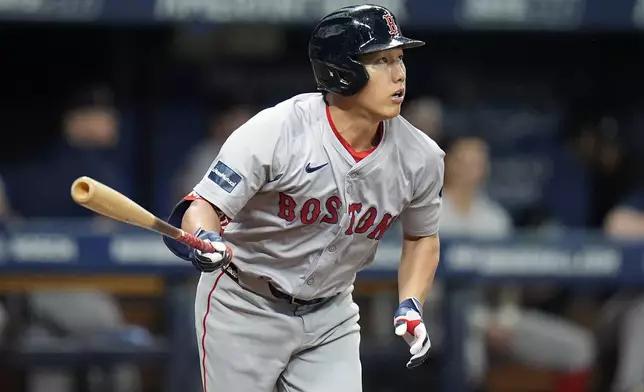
x: 231, y: 270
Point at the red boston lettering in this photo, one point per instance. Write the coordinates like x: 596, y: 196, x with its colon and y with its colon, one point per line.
x: 287, y: 207
x: 310, y: 211
x: 333, y: 205
x: 382, y: 227
x: 353, y: 211
x: 367, y: 220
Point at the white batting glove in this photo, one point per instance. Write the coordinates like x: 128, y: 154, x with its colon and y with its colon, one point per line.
x: 210, y: 262
x: 408, y: 324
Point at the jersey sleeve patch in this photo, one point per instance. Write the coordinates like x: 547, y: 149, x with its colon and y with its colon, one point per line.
x: 224, y: 176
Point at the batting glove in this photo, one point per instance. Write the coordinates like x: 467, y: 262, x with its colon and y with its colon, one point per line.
x: 408, y: 323
x: 210, y: 262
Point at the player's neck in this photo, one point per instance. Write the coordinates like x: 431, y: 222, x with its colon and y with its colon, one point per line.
x: 356, y: 126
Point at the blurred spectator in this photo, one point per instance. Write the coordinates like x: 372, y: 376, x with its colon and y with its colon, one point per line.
x: 592, y: 171
x: 621, y: 326
x: 626, y: 220
x: 90, y: 133
x: 220, y: 126
x: 467, y: 211
x: 426, y: 114
x: 529, y: 336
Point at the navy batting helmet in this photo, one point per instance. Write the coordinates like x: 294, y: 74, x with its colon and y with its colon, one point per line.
x: 343, y: 35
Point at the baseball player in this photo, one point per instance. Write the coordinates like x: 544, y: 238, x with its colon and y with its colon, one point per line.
x: 296, y: 202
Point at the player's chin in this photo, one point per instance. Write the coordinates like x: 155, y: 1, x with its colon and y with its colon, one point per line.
x: 391, y: 110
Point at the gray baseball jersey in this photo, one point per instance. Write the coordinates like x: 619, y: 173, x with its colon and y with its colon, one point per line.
x: 303, y: 213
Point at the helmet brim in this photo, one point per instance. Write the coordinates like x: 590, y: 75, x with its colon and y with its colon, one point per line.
x: 396, y: 42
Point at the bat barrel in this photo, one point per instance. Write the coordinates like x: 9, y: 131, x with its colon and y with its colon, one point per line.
x: 82, y: 190
x: 108, y: 202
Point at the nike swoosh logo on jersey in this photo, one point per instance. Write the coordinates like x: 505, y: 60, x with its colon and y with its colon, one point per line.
x: 310, y: 169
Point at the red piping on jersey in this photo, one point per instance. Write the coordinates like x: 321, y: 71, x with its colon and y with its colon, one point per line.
x: 357, y: 155
x: 193, y: 196
x: 224, y: 220
x: 203, y: 337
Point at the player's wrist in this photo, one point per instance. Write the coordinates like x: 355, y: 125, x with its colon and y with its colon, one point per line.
x: 209, y: 235
x: 412, y: 303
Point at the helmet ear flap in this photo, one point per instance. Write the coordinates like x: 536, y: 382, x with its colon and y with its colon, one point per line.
x: 339, y: 80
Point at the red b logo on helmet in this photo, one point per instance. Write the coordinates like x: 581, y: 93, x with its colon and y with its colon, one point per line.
x: 391, y: 23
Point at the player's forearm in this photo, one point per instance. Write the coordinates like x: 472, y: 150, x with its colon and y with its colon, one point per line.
x: 417, y: 267
x: 200, y: 214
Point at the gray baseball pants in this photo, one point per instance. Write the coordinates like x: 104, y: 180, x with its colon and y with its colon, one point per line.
x: 250, y: 341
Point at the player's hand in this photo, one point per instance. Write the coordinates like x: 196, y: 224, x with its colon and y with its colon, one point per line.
x: 210, y: 262
x: 408, y: 323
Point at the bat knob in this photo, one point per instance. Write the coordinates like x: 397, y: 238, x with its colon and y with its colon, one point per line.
x: 82, y: 189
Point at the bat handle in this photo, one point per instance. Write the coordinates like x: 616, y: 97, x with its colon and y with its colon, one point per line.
x: 196, y: 243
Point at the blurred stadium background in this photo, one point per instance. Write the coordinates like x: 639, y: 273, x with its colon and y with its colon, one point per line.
x: 538, y: 103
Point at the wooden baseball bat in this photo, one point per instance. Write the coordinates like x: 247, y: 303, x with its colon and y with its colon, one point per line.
x: 106, y: 201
